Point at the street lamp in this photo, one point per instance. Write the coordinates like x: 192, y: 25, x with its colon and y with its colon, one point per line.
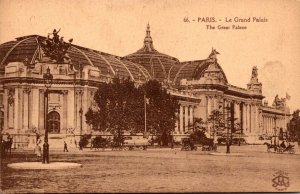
x: 80, y: 114
x: 48, y: 78
x: 228, y: 108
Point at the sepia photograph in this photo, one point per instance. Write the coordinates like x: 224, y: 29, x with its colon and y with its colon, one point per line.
x: 149, y: 96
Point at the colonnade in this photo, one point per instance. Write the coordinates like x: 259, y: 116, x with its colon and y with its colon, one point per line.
x: 25, y: 108
x: 246, y: 114
x: 273, y: 123
x: 185, y: 118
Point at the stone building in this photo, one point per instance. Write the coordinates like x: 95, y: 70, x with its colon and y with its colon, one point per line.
x: 201, y: 87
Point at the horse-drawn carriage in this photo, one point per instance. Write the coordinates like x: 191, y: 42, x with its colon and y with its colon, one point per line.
x: 281, y: 148
x: 209, y: 145
x: 188, y: 144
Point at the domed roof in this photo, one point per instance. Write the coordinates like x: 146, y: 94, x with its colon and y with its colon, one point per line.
x: 28, y: 48
x: 157, y: 64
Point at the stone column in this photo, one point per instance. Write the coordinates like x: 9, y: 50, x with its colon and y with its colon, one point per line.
x: 254, y: 119
x: 5, y: 104
x: 271, y: 126
x: 181, y: 118
x: 266, y: 124
x: 71, y: 109
x: 26, y: 93
x: 225, y: 112
x: 16, y: 114
x: 250, y: 118
x: 41, y: 110
x: 10, y: 109
x: 253, y: 124
x: 30, y: 102
x: 176, y: 123
x: 236, y: 112
x: 243, y: 116
x: 258, y: 120
x: 65, y: 111
x: 186, y: 118
x: 191, y: 122
x: 86, y: 107
x: 209, y: 105
x: 35, y: 107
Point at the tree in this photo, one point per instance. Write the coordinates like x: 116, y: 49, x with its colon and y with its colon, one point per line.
x: 217, y: 121
x: 198, y: 124
x: 161, y: 111
x: 294, y: 126
x: 120, y: 108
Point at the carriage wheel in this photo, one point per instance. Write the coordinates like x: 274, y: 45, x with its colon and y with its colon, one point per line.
x: 126, y: 148
x: 291, y: 151
x: 280, y: 151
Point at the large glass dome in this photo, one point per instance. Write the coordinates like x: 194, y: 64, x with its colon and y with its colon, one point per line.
x: 157, y: 64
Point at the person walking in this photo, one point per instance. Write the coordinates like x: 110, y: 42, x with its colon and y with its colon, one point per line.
x: 38, y: 150
x: 65, y: 147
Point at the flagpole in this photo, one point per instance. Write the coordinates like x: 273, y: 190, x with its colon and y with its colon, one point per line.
x: 145, y: 105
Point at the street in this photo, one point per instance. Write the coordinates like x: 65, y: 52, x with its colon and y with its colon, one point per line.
x: 156, y: 170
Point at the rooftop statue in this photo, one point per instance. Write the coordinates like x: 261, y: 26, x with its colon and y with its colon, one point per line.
x: 56, y: 48
x: 254, y: 72
x: 213, y: 55
x: 254, y: 75
x: 279, y: 102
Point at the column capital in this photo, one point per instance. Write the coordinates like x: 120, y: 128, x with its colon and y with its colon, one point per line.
x: 79, y: 92
x: 64, y: 92
x: 27, y: 90
x: 42, y: 91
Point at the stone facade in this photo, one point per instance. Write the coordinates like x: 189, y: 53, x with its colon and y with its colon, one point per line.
x: 201, y: 87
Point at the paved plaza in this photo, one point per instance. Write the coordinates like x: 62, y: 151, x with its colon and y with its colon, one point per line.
x: 251, y: 168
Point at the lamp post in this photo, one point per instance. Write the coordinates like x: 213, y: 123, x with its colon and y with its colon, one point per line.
x: 48, y: 77
x: 80, y: 114
x: 227, y: 138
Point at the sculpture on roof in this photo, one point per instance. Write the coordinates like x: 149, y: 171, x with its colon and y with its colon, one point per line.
x: 56, y: 48
x: 254, y: 73
x: 279, y: 102
x: 213, y: 55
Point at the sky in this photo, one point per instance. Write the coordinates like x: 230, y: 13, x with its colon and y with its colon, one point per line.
x: 118, y: 27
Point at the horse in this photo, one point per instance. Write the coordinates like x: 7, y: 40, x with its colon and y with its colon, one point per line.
x: 270, y: 146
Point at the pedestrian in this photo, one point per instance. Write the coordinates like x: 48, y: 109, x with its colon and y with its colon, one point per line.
x: 75, y: 143
x: 80, y: 144
x: 65, y: 147
x: 38, y: 150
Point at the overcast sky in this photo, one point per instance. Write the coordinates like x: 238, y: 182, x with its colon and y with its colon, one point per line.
x: 118, y: 27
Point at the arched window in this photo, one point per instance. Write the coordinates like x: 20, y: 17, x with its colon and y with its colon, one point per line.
x: 53, y: 122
